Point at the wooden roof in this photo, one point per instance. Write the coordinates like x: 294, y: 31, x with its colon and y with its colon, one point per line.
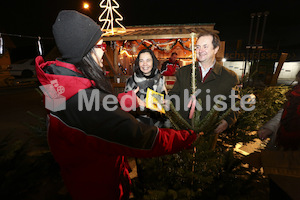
x: 160, y: 32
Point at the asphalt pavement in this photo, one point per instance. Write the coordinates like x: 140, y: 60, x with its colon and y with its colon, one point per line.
x: 15, y: 103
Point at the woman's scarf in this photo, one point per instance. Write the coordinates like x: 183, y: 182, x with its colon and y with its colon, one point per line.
x: 154, y: 82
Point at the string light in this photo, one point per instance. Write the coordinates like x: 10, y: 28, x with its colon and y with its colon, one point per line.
x: 39, y: 44
x: 1, y: 45
x: 26, y: 36
x: 109, y: 10
x: 126, y: 52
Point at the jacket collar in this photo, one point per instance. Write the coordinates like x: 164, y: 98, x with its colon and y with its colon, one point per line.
x: 70, y: 66
x: 70, y: 83
x: 216, y: 71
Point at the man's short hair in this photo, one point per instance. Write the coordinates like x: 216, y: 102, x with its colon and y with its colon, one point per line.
x: 216, y: 39
x: 174, y: 53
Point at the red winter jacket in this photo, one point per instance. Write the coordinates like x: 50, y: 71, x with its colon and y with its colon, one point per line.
x: 90, y: 143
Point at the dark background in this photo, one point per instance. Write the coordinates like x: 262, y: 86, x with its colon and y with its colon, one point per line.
x: 231, y: 18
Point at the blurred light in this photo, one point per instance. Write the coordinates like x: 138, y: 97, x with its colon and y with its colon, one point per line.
x: 86, y: 5
x: 126, y: 52
x: 223, y: 60
x: 188, y: 61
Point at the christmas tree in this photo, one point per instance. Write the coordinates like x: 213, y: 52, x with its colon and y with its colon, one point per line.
x: 215, y: 170
x: 107, y: 16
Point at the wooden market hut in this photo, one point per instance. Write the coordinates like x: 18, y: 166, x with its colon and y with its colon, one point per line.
x: 122, y: 48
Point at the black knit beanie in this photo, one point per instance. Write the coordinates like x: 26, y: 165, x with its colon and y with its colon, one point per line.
x: 75, y: 35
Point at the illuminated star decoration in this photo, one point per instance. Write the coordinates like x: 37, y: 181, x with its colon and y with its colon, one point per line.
x: 107, y: 16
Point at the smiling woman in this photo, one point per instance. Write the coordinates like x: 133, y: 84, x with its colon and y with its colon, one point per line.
x: 147, y: 75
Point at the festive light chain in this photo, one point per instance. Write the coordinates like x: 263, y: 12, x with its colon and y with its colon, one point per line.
x: 40, y: 49
x: 112, y: 44
x: 1, y: 45
x: 26, y: 36
x: 40, y: 46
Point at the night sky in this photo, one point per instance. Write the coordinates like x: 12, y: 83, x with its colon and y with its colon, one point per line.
x: 231, y: 17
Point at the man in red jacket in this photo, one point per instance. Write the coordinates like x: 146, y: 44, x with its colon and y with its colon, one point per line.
x: 170, y: 66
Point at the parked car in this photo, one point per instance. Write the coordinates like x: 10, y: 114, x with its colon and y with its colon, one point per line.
x: 23, y: 68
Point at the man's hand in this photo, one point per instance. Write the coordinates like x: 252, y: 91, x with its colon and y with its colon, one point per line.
x: 222, y: 127
x: 192, y: 106
x: 264, y: 133
x: 166, y: 104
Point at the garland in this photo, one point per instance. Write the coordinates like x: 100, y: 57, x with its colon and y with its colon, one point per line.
x: 158, y: 45
x: 148, y: 47
x: 185, y: 47
x: 164, y: 49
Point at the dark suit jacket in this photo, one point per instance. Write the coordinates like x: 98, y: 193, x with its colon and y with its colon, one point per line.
x: 219, y: 82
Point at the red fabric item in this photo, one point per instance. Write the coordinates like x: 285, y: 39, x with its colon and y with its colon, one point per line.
x: 128, y: 101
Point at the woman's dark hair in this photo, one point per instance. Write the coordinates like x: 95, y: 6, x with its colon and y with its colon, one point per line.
x: 137, y: 62
x: 91, y: 70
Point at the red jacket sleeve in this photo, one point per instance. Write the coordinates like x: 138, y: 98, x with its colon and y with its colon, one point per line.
x: 168, y: 141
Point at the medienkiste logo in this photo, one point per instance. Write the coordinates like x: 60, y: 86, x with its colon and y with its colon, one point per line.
x: 54, y: 100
